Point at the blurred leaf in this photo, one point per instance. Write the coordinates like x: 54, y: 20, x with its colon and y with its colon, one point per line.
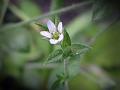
x: 66, y: 41
x: 16, y: 40
x: 30, y: 8
x: 55, y: 56
x: 59, y: 81
x: 79, y: 23
x: 74, y: 50
x: 1, y: 7
x: 97, y: 9
x: 77, y: 49
x: 74, y: 68
x: 40, y: 45
x: 108, y: 11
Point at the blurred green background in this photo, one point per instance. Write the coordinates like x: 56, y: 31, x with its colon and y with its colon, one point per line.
x: 23, y: 50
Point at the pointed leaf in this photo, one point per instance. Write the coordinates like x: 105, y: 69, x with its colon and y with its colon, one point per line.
x: 66, y: 41
x: 55, y: 56
x: 77, y: 49
x: 59, y: 81
x: 43, y: 27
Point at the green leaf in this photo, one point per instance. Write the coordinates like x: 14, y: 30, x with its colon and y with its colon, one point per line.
x: 77, y: 49
x: 43, y: 27
x: 56, y: 20
x: 59, y: 81
x: 74, y: 68
x: 55, y: 56
x: 55, y: 85
x: 17, y: 39
x: 84, y: 21
x: 67, y: 52
x: 30, y: 8
x: 66, y: 41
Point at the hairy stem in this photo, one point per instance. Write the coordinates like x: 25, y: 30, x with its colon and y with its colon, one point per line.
x: 66, y: 74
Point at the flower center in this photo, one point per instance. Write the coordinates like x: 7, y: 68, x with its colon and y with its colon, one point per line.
x: 56, y: 35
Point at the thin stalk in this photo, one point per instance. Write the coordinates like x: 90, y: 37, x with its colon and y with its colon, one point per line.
x: 22, y: 15
x: 66, y: 74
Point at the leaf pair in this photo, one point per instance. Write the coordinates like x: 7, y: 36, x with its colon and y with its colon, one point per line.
x: 55, y: 56
x: 70, y: 51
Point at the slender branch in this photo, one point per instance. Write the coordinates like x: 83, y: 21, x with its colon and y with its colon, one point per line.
x: 4, y: 10
x: 22, y: 15
x: 66, y: 74
x: 46, y: 15
x: 18, y: 12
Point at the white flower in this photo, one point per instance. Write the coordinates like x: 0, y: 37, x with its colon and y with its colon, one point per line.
x: 55, y: 34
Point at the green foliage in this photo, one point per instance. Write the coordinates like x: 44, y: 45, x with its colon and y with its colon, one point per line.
x: 77, y: 49
x: 16, y: 40
x: 107, y: 11
x: 55, y: 56
x: 1, y: 7
x: 59, y: 81
x: 74, y: 28
x: 22, y: 49
x: 66, y: 41
x: 29, y: 8
x: 43, y: 27
x: 56, y: 20
x: 71, y: 51
x: 67, y: 52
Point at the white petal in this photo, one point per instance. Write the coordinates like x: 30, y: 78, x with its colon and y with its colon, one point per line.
x: 51, y: 26
x: 61, y: 37
x: 46, y: 34
x: 52, y: 41
x: 60, y: 27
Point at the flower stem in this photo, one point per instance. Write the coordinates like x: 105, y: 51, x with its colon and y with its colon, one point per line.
x: 66, y: 74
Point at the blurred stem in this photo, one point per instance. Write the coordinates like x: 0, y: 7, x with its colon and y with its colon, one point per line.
x: 21, y: 15
x: 18, y: 12
x: 66, y: 74
x: 71, y: 7
x: 4, y: 10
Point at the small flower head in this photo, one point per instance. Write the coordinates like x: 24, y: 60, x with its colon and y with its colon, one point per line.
x: 55, y: 34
